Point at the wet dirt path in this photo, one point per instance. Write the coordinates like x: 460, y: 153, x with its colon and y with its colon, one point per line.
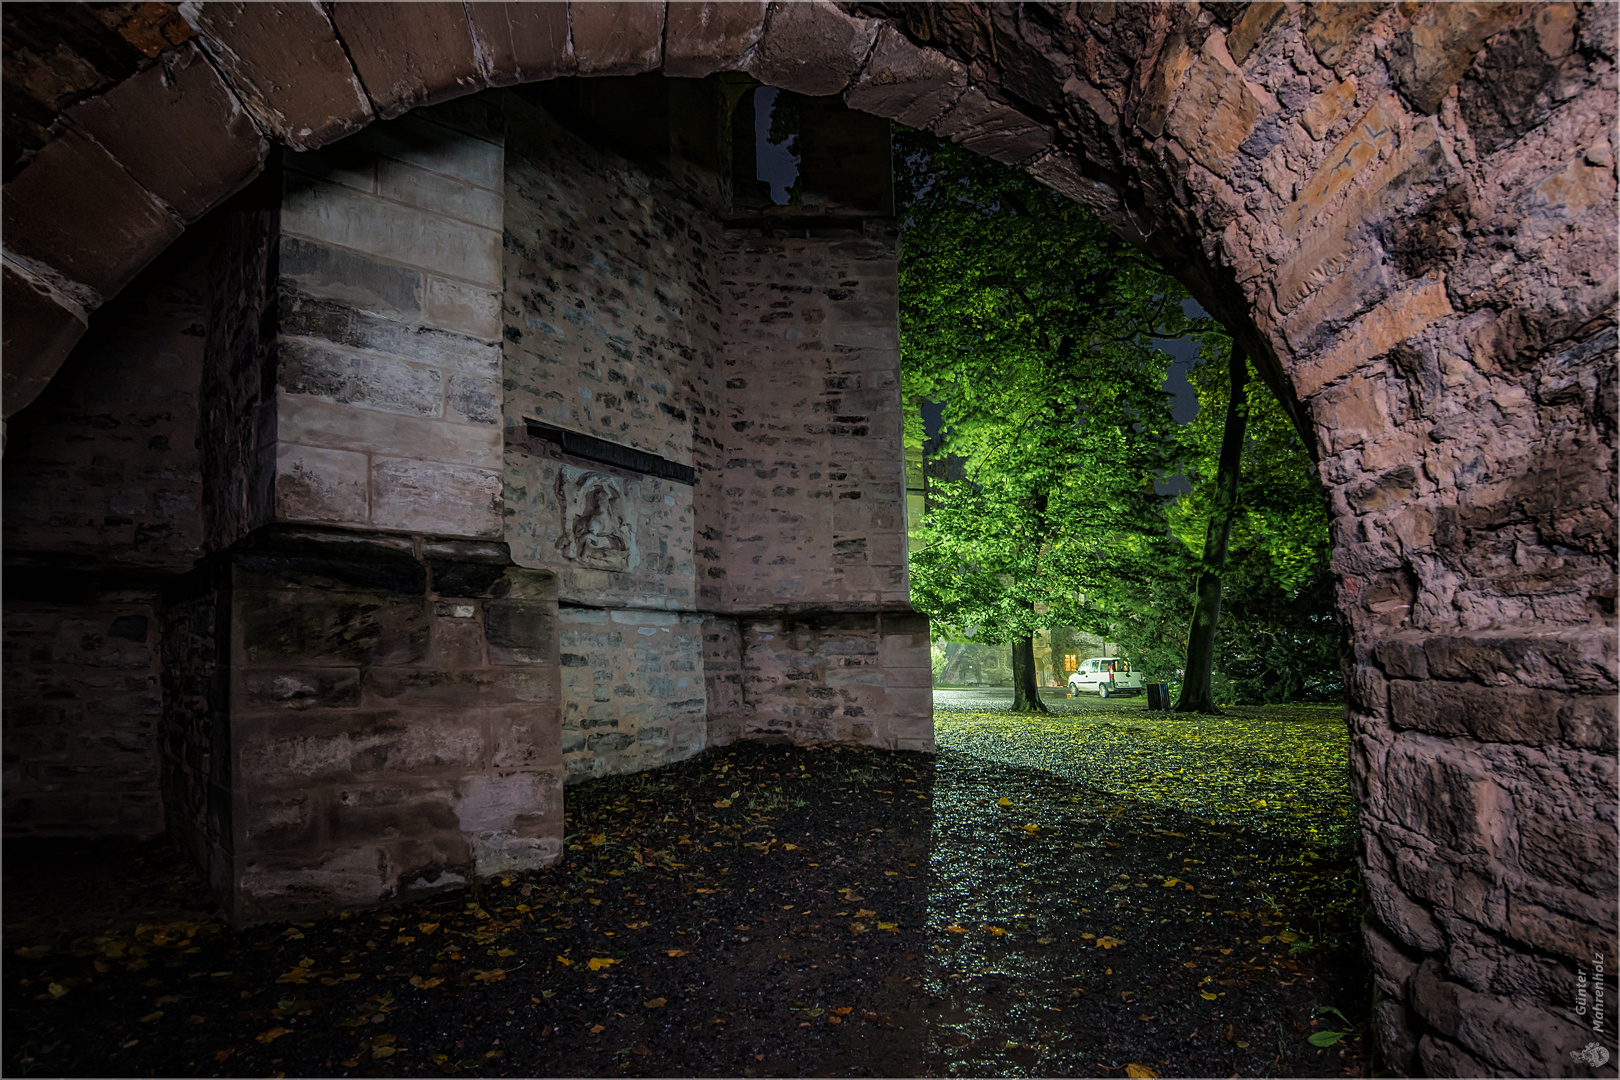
x: 1043, y: 898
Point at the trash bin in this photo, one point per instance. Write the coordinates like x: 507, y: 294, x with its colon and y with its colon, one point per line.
x: 1158, y: 696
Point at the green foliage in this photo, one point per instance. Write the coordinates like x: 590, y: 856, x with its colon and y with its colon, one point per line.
x: 1279, y: 638
x: 1033, y: 325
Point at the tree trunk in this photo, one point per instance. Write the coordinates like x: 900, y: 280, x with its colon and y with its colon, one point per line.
x: 1026, y: 687
x: 1196, y: 694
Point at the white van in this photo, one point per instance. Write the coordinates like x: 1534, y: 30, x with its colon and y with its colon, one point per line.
x: 1105, y: 676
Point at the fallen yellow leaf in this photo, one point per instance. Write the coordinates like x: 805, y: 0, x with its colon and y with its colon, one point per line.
x: 1109, y: 942
x: 888, y: 926
x: 56, y: 989
x: 1031, y: 828
x: 493, y: 975
x: 1003, y: 802
x: 564, y: 961
x: 33, y: 952
x: 597, y: 1029
x: 425, y: 984
x: 864, y: 913
x: 722, y: 803
x: 273, y: 1034
x: 298, y: 976
x: 1288, y: 936
x: 843, y: 1010
x: 1206, y: 995
x: 427, y: 927
x: 1139, y: 1072
x: 597, y: 963
x: 655, y: 1003
x: 675, y: 952
x: 151, y: 1016
x: 954, y: 929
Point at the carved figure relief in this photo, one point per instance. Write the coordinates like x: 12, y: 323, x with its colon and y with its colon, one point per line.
x: 596, y: 529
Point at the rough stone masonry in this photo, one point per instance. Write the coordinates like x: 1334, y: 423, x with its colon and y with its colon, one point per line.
x: 1404, y: 211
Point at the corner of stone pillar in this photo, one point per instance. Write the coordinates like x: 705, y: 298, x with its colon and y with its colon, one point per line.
x: 384, y: 724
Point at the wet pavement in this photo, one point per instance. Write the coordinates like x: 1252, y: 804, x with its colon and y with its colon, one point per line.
x: 1098, y: 893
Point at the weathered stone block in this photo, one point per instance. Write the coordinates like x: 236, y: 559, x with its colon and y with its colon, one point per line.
x: 514, y: 819
x: 1429, y: 58
x: 320, y: 270
x: 1334, y: 30
x: 321, y: 485
x: 41, y: 327
x: 453, y: 305
x: 1216, y: 109
x: 74, y: 210
x: 522, y: 42
x: 527, y: 736
x: 383, y: 811
x: 453, y: 198
x: 310, y: 421
x: 373, y: 382
x: 434, y: 497
x: 1257, y: 19
x: 185, y: 98
x: 287, y: 67
x: 905, y: 83
x: 286, y: 688
x: 1520, y: 1041
x: 811, y: 47
x: 1323, y: 112
x: 614, y: 38
x: 344, y: 325
x: 705, y: 36
x: 409, y: 55
x: 309, y: 628
x: 442, y: 148
x: 458, y: 636
x: 278, y: 886
x: 351, y: 219
x: 519, y: 631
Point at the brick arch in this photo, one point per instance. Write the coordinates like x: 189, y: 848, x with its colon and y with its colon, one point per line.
x: 1407, y: 213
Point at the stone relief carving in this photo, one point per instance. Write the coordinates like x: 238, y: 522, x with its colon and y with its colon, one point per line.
x: 596, y: 529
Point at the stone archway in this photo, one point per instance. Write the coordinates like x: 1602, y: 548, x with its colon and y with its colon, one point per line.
x: 1407, y: 212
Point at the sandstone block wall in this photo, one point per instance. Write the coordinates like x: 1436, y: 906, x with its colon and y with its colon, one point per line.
x: 852, y: 678
x: 103, y: 494
x: 387, y: 723
x: 813, y: 508
x: 388, y: 368
x: 83, y: 702
x: 633, y: 689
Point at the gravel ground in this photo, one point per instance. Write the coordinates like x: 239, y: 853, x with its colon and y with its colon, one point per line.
x: 1018, y: 904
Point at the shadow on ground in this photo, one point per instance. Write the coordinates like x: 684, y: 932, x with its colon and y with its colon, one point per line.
x: 1042, y: 898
